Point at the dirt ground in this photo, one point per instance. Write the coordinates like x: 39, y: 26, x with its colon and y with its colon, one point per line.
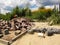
x: 33, y: 39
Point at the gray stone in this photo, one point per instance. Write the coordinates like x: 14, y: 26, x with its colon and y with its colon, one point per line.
x: 36, y: 30
x: 0, y: 31
x: 6, y: 31
x: 56, y: 31
x: 50, y: 33
x: 17, y: 32
x: 43, y: 30
x: 30, y: 31
x: 1, y: 35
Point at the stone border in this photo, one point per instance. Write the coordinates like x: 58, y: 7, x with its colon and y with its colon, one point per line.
x: 14, y: 39
x: 18, y: 36
x: 5, y: 42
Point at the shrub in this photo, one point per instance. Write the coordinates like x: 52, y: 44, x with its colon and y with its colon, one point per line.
x: 42, y: 14
x: 55, y: 19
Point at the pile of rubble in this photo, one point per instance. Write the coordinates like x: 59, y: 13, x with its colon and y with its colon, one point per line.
x: 15, y: 24
x: 21, y: 24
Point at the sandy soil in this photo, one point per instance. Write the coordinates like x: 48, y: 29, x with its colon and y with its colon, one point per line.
x: 29, y: 39
x: 9, y: 36
x: 45, y: 24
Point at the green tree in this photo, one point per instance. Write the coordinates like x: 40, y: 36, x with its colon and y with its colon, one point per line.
x: 28, y: 12
x: 17, y: 11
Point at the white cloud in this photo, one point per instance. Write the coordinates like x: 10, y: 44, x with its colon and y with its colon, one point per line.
x: 56, y: 1
x: 13, y: 3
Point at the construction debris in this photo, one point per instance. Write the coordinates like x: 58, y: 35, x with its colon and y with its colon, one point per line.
x: 18, y: 25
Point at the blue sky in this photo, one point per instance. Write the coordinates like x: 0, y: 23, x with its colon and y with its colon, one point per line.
x: 9, y: 4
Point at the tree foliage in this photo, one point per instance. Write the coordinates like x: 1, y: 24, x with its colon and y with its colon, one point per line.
x: 20, y: 12
x: 40, y: 14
